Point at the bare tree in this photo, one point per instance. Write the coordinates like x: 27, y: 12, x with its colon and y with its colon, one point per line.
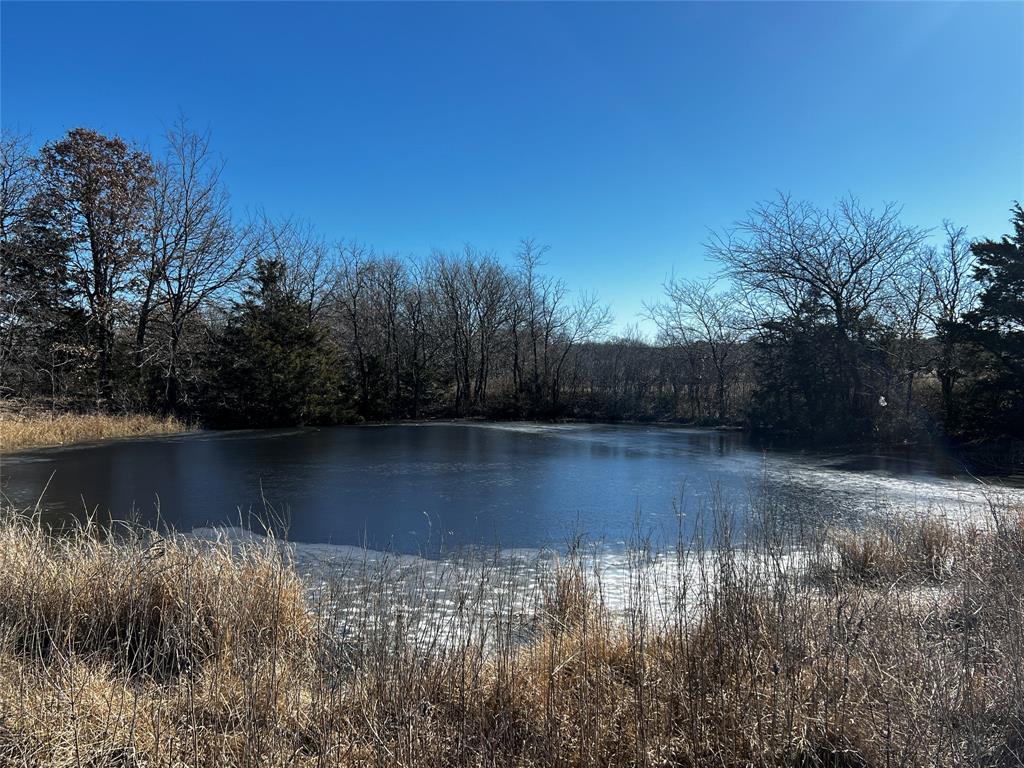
x: 793, y: 252
x: 455, y: 317
x: 418, y: 339
x: 158, y: 253
x: 953, y: 292
x: 842, y: 261
x: 18, y: 182
x: 352, y: 314
x: 488, y: 290
x: 199, y: 252
x: 310, y: 264
x: 543, y: 316
x: 388, y: 282
x: 96, y: 190
x: 585, y: 322
x: 906, y: 317
x: 527, y: 291
x: 697, y: 315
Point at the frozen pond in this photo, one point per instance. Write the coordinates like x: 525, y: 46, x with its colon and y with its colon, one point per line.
x: 438, y: 487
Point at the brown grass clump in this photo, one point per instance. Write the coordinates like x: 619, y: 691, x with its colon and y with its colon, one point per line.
x: 125, y: 647
x: 24, y: 429
x: 139, y: 650
x: 927, y: 549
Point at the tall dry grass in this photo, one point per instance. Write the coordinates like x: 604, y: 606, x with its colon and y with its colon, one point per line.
x: 889, y: 646
x: 21, y: 429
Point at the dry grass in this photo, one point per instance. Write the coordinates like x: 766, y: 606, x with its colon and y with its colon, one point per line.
x: 920, y: 550
x: 149, y: 651
x: 21, y: 429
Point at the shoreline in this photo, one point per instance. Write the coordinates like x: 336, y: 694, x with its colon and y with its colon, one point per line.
x: 32, y: 429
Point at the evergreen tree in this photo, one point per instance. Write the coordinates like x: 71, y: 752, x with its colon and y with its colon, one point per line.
x: 274, y: 367
x: 997, y: 326
x: 43, y: 330
x: 801, y: 383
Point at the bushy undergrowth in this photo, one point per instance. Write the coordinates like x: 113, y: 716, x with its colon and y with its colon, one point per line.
x: 896, y: 645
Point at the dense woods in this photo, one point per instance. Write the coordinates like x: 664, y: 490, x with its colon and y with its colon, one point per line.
x: 130, y: 284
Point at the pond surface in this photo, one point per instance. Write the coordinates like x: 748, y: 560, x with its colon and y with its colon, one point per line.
x: 429, y: 488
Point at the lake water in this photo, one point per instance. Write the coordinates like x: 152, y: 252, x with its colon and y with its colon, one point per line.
x: 429, y: 488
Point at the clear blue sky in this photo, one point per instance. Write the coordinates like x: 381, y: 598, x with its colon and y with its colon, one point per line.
x: 616, y: 133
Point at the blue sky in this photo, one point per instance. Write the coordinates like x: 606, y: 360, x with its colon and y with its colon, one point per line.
x: 616, y: 133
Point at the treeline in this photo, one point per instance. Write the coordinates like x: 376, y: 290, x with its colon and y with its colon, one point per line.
x: 852, y: 325
x: 129, y: 283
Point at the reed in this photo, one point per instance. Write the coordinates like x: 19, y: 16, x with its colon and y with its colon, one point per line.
x: 889, y: 645
x: 21, y: 429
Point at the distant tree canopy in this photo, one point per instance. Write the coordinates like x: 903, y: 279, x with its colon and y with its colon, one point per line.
x: 128, y: 282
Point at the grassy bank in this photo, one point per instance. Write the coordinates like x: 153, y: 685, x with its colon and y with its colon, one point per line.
x: 899, y: 645
x: 21, y: 429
